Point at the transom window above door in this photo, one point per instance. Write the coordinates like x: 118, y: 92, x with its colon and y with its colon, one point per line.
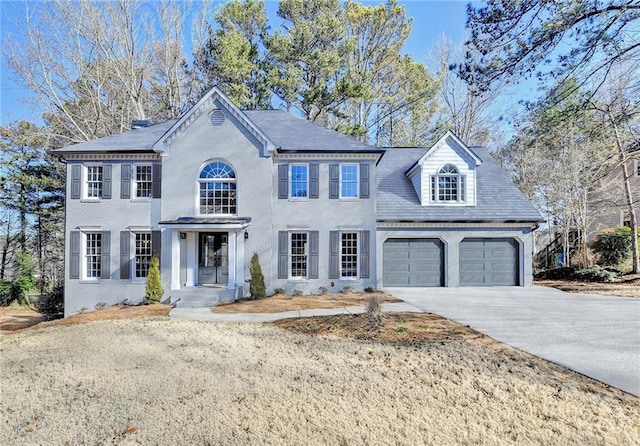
x: 217, y: 184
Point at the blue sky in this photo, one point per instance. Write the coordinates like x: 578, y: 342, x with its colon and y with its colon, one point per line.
x: 431, y: 19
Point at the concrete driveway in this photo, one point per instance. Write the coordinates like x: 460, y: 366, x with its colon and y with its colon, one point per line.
x: 593, y: 335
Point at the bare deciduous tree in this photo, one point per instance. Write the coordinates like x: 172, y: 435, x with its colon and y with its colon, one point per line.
x: 97, y: 66
x: 463, y: 109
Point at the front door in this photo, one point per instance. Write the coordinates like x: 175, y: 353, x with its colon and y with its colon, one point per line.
x: 213, y: 262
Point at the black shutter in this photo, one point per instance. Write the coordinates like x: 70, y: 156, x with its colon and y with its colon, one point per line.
x: 313, y: 254
x: 125, y: 181
x: 283, y: 254
x: 105, y: 255
x: 106, y: 181
x: 334, y: 181
x: 314, y: 180
x: 156, y: 242
x: 365, y: 255
x: 74, y: 254
x: 334, y: 255
x: 125, y: 255
x: 76, y: 181
x: 364, y: 180
x: 156, y: 178
x: 283, y: 181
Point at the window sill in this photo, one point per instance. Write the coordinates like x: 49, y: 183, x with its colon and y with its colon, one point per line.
x: 298, y: 198
x: 90, y: 281
x: 140, y: 200
x: 216, y: 215
x: 90, y: 200
x: 450, y: 203
x: 349, y: 198
x: 297, y: 279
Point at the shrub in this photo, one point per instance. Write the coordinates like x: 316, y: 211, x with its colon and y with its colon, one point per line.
x: 613, y: 246
x: 323, y: 290
x: 51, y: 303
x: 153, y: 290
x: 596, y: 274
x: 374, y: 309
x: 296, y: 293
x: 5, y: 293
x: 346, y: 290
x: 278, y: 291
x: 370, y: 289
x: 565, y: 272
x: 24, y: 278
x: 257, y: 290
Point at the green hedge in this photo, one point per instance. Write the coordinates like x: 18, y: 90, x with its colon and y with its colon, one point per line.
x: 613, y: 245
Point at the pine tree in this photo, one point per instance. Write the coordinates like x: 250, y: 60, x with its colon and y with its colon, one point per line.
x: 256, y: 287
x: 153, y: 290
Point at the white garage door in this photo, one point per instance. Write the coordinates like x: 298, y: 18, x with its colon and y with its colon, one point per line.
x: 413, y: 262
x: 489, y: 262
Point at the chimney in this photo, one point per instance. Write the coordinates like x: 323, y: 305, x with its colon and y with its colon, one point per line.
x: 139, y: 124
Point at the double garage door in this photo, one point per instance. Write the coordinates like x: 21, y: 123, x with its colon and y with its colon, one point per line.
x: 420, y: 262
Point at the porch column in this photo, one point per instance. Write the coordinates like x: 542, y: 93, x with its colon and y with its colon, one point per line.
x: 175, y: 260
x: 192, y: 258
x: 231, y: 284
x: 240, y: 259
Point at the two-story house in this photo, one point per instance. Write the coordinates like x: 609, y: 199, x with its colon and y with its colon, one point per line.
x: 322, y: 210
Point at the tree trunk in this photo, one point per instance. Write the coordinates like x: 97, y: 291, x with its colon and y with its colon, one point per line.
x: 628, y: 196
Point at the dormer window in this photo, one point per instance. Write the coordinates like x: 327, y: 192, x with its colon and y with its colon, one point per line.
x: 448, y: 186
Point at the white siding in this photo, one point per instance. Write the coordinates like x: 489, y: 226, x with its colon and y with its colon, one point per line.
x: 416, y: 180
x: 445, y: 154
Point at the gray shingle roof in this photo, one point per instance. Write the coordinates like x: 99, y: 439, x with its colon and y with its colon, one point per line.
x: 293, y: 134
x: 289, y: 133
x: 138, y: 140
x: 498, y: 199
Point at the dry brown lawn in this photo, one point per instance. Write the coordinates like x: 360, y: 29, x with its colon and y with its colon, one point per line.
x: 337, y: 380
x: 278, y: 303
x: 16, y: 319
x: 625, y: 286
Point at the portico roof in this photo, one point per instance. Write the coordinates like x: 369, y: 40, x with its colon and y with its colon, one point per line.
x: 191, y: 223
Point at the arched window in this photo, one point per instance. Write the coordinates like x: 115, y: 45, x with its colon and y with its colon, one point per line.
x: 217, y: 189
x: 448, y: 185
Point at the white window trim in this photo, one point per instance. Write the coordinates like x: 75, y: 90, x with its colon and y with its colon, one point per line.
x: 85, y: 181
x: 357, y: 276
x: 290, y: 257
x: 83, y: 257
x: 200, y: 181
x: 290, y: 185
x: 636, y: 166
x: 624, y: 215
x: 134, y: 182
x: 435, y: 193
x: 132, y: 259
x: 357, y: 167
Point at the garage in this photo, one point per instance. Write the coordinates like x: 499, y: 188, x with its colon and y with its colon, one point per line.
x: 489, y: 262
x: 413, y: 262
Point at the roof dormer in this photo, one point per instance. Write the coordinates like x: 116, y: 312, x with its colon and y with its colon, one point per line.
x: 446, y: 174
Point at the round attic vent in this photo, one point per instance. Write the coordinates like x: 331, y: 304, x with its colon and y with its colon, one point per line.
x: 216, y: 117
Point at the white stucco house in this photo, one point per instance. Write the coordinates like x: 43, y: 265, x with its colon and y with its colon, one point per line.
x: 207, y: 191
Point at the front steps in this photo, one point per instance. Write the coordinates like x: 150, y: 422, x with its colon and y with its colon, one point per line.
x: 199, y: 297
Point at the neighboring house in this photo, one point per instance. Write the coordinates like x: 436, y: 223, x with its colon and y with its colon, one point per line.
x: 608, y: 206
x: 320, y: 209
